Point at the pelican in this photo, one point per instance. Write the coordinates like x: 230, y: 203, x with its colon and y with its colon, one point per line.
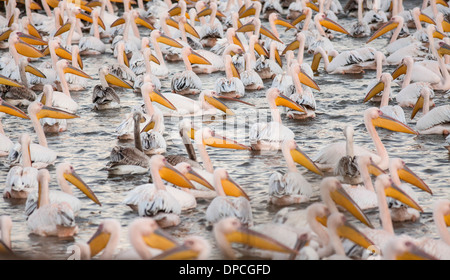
x: 230, y: 230
x: 51, y: 219
x: 152, y: 140
x: 375, y: 17
x: 249, y: 77
x: 436, y: 121
x: 147, y: 57
x: 104, y: 96
x: 5, y: 143
x: 291, y: 187
x: 269, y: 68
x: 162, y: 203
x: 328, y: 157
x: 347, y: 168
x: 225, y: 206
x: 21, y: 180
x: 361, y: 27
x: 231, y: 85
x: 212, y: 31
x: 51, y: 125
x: 321, y: 38
x: 161, y: 70
x: 270, y: 135
x: 352, y: 61
x: 274, y: 20
x: 187, y: 82
x: 92, y: 45
x: 65, y: 173
x: 76, y: 83
x: 217, y: 61
x: 393, y: 111
x: 120, y: 69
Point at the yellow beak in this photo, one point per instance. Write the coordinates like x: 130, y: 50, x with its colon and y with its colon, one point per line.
x: 33, y: 31
x: 383, y: 29
x: 49, y: 112
x: 400, y: 70
x: 159, y: 98
x: 33, y: 70
x: 7, y: 81
x: 196, y: 58
x: 396, y: 193
x: 218, y: 141
x: 72, y: 70
x: 114, y: 80
x: 63, y: 29
x: 172, y: 175
x: 407, y: 175
x: 307, y: 80
x: 98, y: 241
x: 32, y: 40
x: 316, y: 61
x: 9, y: 109
x: 231, y: 188
x: 285, y: 101
x: 414, y: 253
x: 219, y: 105
x: 75, y: 180
x: 351, y: 233
x: 139, y: 20
x: 194, y: 176
x: 27, y: 50
x: 379, y: 87
x: 169, y: 41
x: 181, y: 252
x: 392, y: 124
x: 301, y: 158
x: 161, y: 240
x: 299, y: 19
x: 291, y: 47
x: 330, y: 24
x: 427, y: 19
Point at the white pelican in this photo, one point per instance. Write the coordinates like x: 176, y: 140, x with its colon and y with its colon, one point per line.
x: 351, y: 61
x: 231, y: 85
x: 328, y: 157
x: 211, y: 32
x: 152, y: 140
x: 436, y: 121
x: 161, y: 70
x: 51, y: 219
x: 187, y: 82
x: 321, y: 38
x: 393, y: 111
x: 48, y: 124
x: 270, y: 7
x: 121, y: 69
x: 92, y: 45
x: 270, y: 135
x: 76, y: 83
x: 226, y: 206
x: 5, y: 143
x: 22, y: 179
x: 361, y: 27
x: 268, y: 68
x: 230, y: 230
x: 274, y: 20
x: 65, y: 173
x: 130, y: 160
x: 161, y: 202
x: 217, y: 61
x: 147, y: 58
x: 104, y: 96
x: 291, y: 187
x: 249, y: 77
x: 375, y: 17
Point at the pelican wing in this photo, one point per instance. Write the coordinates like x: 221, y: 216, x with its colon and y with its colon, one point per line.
x: 224, y: 85
x: 437, y: 116
x: 39, y: 154
x: 48, y: 219
x: 185, y: 80
x: 55, y: 196
x: 352, y: 57
x: 128, y: 156
x: 91, y: 43
x: 223, y: 206
x: 162, y: 201
x: 102, y: 96
x: 292, y: 183
x: 16, y: 93
x: 153, y: 142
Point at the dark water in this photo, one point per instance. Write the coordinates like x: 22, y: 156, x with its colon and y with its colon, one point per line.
x: 89, y: 140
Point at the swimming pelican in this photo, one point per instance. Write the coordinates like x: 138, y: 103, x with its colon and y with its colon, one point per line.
x: 161, y: 202
x: 161, y: 70
x: 51, y: 219
x: 231, y: 230
x: 249, y: 77
x: 147, y: 73
x: 76, y: 83
x: 228, y: 206
x: 436, y: 121
x: 291, y: 187
x: 270, y: 135
x: 187, y: 82
x: 268, y: 68
x: 328, y: 157
x: 65, y: 173
x: 231, y: 85
x: 351, y: 61
x: 22, y: 179
x: 192, y: 248
x: 321, y: 39
x: 104, y: 96
x: 92, y: 45
x: 361, y: 27
x: 121, y: 69
x: 211, y: 32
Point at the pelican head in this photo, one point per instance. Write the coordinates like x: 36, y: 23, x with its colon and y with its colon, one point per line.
x: 66, y: 67
x: 207, y: 136
x: 275, y: 97
x: 290, y: 147
x: 407, y: 175
x: 107, y: 233
x: 12, y: 110
x: 275, y: 18
x: 161, y: 38
x: 112, y: 79
x: 324, y: 21
x: 403, y: 248
x: 333, y: 194
x: 187, y: 170
x: 230, y: 230
x: 69, y: 174
x: 377, y: 118
x: 385, y: 81
x: 169, y: 173
x: 223, y: 181
x: 39, y: 110
x: 194, y: 57
x: 393, y: 23
x: 149, y: 89
x: 407, y: 63
x: 385, y: 185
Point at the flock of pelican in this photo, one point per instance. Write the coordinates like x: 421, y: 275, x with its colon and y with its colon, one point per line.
x: 43, y: 63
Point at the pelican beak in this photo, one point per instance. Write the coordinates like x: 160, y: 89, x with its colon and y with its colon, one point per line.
x: 248, y: 27
x: 442, y: 2
x: 400, y: 70
x: 98, y: 241
x: 11, y: 20
x: 284, y: 23
x: 52, y: 3
x: 341, y: 197
x: 196, y: 58
x: 231, y: 188
x: 439, y: 35
x: 86, y: 8
x: 307, y: 80
x: 114, y: 80
x: 301, y: 158
x: 219, y: 105
x: 33, y: 70
x: 72, y: 70
x: 101, y: 23
x: 278, y: 58
x: 191, y: 30
x: 172, y: 175
x: 7, y: 81
x: 75, y: 180
x: 160, y: 239
x: 316, y: 61
x: 291, y: 47
x: 244, y: 235
x: 63, y: 53
x: 234, y: 71
x: 261, y: 50
x: 125, y: 59
x: 285, y: 101
x: 299, y: 19
x: 9, y: 109
x: 35, y: 6
x: 392, y: 124
x: 323, y: 219
x: 32, y: 40
x: 379, y: 87
x: 33, y: 31
x: 149, y: 126
x: 27, y: 50
x: 249, y: 12
x: 398, y: 194
x: 330, y: 24
x: 375, y: 169
x: 171, y: 22
x: 169, y: 41
x: 351, y: 233
x: 83, y: 16
x: 204, y: 12
x: 238, y: 42
x: 181, y: 252
x: 445, y: 26
x: 63, y: 29
x: 49, y: 112
x: 313, y: 6
x: 443, y: 49
x: 5, y: 35
x: 417, y: 106
x: 175, y: 11
x: 159, y: 98
x: 218, y: 141
x: 154, y: 59
x: 383, y: 29
x: 407, y: 175
x: 118, y: 22
x: 414, y: 253
x: 194, y: 176
x: 266, y: 32
x: 141, y: 21
x: 424, y: 18
x: 447, y: 220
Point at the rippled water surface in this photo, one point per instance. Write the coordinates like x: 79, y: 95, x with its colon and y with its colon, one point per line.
x: 90, y: 138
